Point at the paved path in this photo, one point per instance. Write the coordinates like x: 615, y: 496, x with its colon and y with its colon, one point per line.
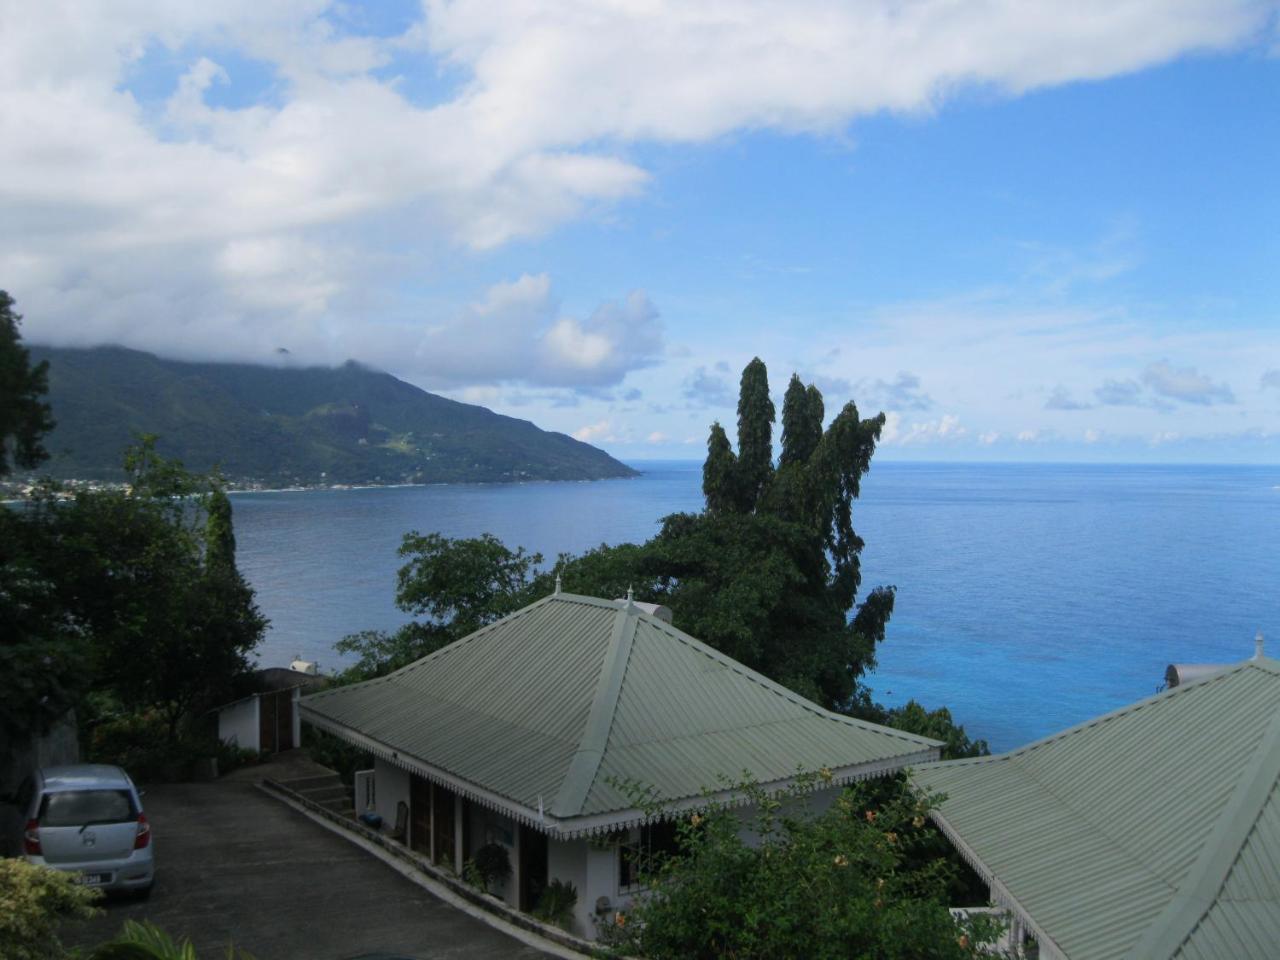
x: 234, y: 865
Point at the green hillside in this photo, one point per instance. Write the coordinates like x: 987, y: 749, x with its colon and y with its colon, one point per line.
x: 279, y: 425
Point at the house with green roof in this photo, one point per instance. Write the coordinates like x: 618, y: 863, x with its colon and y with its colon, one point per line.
x: 1150, y: 833
x: 528, y: 732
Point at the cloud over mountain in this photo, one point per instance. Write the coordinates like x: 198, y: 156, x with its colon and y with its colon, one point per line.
x: 218, y: 180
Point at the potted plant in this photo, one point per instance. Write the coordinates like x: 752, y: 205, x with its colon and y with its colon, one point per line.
x: 492, y: 865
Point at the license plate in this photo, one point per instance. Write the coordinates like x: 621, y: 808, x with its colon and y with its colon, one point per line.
x: 94, y: 879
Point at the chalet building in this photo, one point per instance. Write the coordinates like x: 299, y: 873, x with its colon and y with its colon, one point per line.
x: 528, y: 732
x: 1150, y: 833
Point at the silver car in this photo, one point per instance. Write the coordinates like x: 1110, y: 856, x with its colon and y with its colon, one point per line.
x: 88, y: 819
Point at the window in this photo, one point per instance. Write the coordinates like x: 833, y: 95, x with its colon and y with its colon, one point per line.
x: 642, y: 850
x: 75, y: 808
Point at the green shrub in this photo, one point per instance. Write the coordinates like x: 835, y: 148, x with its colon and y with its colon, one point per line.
x: 34, y: 902
x: 839, y: 884
x: 139, y: 742
x: 328, y: 751
x: 556, y: 904
x: 492, y: 864
x: 232, y: 757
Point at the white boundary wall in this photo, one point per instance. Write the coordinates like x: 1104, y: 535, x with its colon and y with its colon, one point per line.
x: 238, y: 724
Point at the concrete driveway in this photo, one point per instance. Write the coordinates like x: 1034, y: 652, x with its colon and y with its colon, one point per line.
x: 235, y: 866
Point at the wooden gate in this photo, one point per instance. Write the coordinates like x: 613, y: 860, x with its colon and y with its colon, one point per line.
x: 275, y: 721
x: 284, y: 720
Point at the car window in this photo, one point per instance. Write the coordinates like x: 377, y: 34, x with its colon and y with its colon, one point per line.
x: 73, y: 808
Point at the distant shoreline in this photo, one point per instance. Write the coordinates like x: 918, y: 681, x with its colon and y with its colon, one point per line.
x: 20, y: 491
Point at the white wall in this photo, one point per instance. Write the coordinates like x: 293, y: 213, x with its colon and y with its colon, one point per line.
x: 391, y: 785
x: 238, y: 724
x: 567, y: 861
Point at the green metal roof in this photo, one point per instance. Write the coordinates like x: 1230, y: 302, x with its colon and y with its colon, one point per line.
x: 541, y: 712
x: 1152, y: 832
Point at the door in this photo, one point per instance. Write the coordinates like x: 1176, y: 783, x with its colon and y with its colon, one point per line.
x: 419, y: 814
x: 443, y: 807
x: 267, y: 722
x: 533, y: 866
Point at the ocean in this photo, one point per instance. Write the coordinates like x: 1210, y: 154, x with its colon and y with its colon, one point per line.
x: 1030, y: 597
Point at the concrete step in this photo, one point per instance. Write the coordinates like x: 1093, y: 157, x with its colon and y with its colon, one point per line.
x: 336, y: 804
x: 301, y: 784
x: 323, y: 794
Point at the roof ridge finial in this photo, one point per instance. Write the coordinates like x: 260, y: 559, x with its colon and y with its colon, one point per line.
x: 557, y: 592
x: 1257, y: 646
x: 631, y: 597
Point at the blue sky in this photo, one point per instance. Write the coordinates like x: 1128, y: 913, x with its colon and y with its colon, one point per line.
x: 1042, y: 231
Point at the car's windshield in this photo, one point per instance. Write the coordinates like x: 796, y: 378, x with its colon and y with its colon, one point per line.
x: 75, y: 808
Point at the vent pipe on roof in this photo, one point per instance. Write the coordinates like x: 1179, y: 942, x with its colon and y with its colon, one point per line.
x: 557, y: 583
x: 652, y: 609
x: 1257, y: 646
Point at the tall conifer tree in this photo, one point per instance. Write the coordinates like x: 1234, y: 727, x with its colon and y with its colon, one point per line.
x: 720, y: 473
x: 755, y: 434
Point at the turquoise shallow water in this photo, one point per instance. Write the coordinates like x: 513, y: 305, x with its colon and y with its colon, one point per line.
x: 1030, y: 597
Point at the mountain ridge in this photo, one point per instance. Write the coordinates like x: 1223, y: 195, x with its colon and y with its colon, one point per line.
x: 273, y: 425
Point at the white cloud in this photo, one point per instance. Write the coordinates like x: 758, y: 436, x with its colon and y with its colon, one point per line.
x: 290, y: 220
x: 988, y: 438
x: 595, y: 432
x: 1185, y: 384
x: 945, y: 428
x: 1028, y: 436
x: 657, y: 437
x: 1092, y: 436
x: 703, y: 388
x: 902, y: 393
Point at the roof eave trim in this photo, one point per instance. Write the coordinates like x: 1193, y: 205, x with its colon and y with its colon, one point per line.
x: 1000, y: 894
x: 600, y: 823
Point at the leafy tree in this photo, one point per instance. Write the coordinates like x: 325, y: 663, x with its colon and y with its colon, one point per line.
x: 770, y: 571
x: 24, y: 415
x: 43, y: 649
x: 166, y: 619
x: 802, y: 414
x: 219, y: 534
x: 454, y: 587
x: 755, y: 435
x: 842, y: 883
x: 720, y: 473
x: 937, y: 724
